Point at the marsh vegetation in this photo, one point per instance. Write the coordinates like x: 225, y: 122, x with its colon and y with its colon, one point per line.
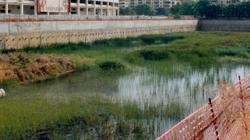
x: 132, y: 88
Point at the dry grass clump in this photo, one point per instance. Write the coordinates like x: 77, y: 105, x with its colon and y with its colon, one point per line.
x: 6, y: 71
x: 32, y: 68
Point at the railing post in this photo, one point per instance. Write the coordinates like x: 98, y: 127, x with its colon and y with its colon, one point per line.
x: 243, y: 108
x: 213, y: 118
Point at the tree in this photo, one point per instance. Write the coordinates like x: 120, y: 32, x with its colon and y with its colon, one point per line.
x: 183, y: 9
x: 214, y: 11
x: 144, y: 9
x: 175, y: 10
x: 127, y: 11
x: 201, y: 8
x: 162, y: 11
x: 205, y: 9
x: 187, y: 8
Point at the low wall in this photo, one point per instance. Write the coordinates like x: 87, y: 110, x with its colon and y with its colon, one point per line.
x: 224, y: 25
x: 69, y: 25
x: 22, y: 40
x: 17, y: 35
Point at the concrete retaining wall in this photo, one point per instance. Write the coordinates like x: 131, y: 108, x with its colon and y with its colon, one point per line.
x: 32, y: 33
x: 17, y: 35
x: 21, y: 40
x: 224, y: 25
x: 24, y: 27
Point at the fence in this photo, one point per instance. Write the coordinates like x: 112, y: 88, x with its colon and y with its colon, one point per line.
x: 223, y: 118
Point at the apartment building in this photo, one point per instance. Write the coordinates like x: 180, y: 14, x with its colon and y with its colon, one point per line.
x: 124, y: 3
x: 153, y: 3
x: 47, y: 7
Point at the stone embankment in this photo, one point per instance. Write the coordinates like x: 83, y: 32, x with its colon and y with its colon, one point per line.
x: 29, y: 33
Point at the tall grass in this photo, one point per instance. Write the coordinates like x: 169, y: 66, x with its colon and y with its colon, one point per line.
x: 25, y: 116
x: 8, y: 84
x: 195, y: 48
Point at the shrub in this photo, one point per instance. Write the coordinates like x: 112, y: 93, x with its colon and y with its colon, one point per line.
x: 148, y: 39
x: 153, y: 55
x: 168, y: 39
x: 232, y: 51
x: 111, y: 65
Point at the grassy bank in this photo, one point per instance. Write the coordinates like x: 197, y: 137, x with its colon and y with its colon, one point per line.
x: 195, y: 48
x: 38, y: 117
x: 23, y: 116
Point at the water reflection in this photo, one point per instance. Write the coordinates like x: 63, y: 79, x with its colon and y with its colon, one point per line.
x: 190, y: 89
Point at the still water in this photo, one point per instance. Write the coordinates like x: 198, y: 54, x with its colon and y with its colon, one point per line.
x: 190, y: 89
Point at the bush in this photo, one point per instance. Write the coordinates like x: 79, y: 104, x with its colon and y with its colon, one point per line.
x: 153, y: 55
x: 232, y: 51
x: 162, y: 11
x: 177, y: 16
x: 148, y: 39
x: 111, y: 65
x: 144, y: 9
x: 168, y: 39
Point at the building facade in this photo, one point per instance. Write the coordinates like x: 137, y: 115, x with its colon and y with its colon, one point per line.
x: 153, y: 3
x: 64, y: 7
x: 124, y: 3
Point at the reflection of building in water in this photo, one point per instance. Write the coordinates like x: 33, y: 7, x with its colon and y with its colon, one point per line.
x: 43, y: 7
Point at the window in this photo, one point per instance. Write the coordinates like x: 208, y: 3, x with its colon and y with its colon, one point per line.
x: 82, y: 1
